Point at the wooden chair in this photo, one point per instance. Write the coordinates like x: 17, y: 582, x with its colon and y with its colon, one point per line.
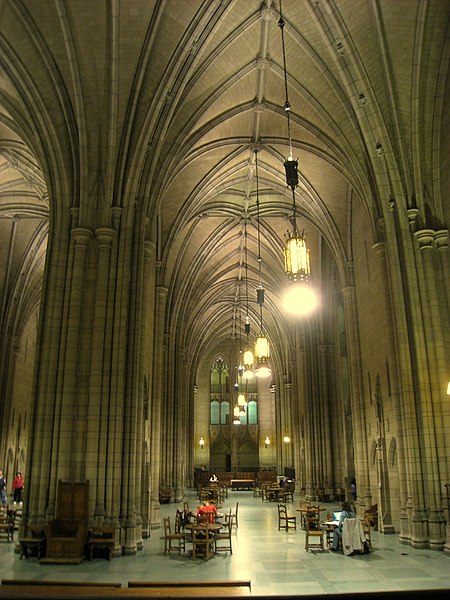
x: 202, y: 543
x: 67, y: 533
x: 367, y: 527
x: 225, y: 537
x: 284, y: 520
x: 232, y: 517
x: 289, y: 491
x: 313, y: 533
x: 176, y: 538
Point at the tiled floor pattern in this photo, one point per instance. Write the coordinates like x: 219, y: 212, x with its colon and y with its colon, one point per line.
x: 275, y: 561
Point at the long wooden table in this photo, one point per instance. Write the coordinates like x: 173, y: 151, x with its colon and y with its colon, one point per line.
x: 242, y: 484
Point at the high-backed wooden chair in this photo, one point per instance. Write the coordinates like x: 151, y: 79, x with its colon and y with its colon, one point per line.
x: 202, y: 543
x: 172, y: 537
x: 224, y: 539
x: 232, y: 517
x: 367, y: 527
x: 67, y: 533
x: 313, y: 533
x: 285, y: 521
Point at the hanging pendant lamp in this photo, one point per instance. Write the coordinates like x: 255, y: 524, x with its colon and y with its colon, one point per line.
x: 300, y: 298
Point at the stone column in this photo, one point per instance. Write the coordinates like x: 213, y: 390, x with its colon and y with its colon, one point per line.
x: 155, y: 427
x: 95, y: 453
x: 287, y: 448
x: 324, y: 418
x: 357, y: 399
x: 434, y: 372
x: 441, y: 245
x: 147, y: 330
x: 385, y: 524
x: 49, y: 360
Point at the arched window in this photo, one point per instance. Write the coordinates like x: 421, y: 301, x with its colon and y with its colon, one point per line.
x: 215, y: 412
x: 224, y: 412
x: 252, y: 413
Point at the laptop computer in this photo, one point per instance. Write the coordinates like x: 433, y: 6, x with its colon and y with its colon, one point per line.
x: 335, y: 520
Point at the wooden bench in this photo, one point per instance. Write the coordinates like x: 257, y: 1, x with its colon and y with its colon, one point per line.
x: 21, y: 589
x: 192, y: 589
x: 6, y: 526
x: 100, y: 539
x: 32, y: 546
x: 242, y: 484
x: 38, y: 589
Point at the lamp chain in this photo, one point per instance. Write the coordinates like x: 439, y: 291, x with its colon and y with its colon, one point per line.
x: 287, y: 106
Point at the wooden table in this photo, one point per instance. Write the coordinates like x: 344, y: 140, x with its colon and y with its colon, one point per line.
x: 273, y: 492
x: 199, y: 526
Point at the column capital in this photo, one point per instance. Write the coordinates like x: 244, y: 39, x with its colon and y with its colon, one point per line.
x: 425, y: 238
x: 81, y: 235
x: 380, y: 250
x: 413, y: 213
x: 105, y: 236
x: 162, y: 292
x: 441, y: 239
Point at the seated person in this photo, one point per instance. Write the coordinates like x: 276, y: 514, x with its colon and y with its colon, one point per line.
x: 337, y: 533
x: 207, y: 512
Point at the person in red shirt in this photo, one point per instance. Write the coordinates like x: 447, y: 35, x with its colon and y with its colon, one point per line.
x: 208, y: 511
x: 17, y: 487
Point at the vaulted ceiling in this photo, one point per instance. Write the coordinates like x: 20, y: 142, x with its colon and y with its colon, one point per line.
x: 167, y: 102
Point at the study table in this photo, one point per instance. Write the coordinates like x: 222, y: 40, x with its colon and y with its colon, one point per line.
x: 203, y: 526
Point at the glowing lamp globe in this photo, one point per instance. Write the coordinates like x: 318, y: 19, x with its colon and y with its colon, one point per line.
x: 299, y: 299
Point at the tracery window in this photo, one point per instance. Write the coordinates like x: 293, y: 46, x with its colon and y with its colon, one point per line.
x: 219, y: 392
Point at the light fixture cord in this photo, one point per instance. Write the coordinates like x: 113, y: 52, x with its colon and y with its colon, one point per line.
x: 287, y: 106
x: 260, y: 293
x: 246, y: 266
x: 287, y: 109
x: 257, y: 220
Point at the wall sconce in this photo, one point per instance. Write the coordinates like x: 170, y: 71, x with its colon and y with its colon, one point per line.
x: 267, y: 441
x: 286, y: 439
x: 202, y: 443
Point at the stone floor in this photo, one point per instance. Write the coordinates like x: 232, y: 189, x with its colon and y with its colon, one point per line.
x: 275, y: 561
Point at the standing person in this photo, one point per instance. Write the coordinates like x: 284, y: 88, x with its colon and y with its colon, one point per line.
x: 18, y: 484
x: 347, y: 513
x: 2, y: 488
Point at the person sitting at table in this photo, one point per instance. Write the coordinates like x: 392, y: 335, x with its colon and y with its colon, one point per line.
x: 337, y: 533
x: 207, y: 512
